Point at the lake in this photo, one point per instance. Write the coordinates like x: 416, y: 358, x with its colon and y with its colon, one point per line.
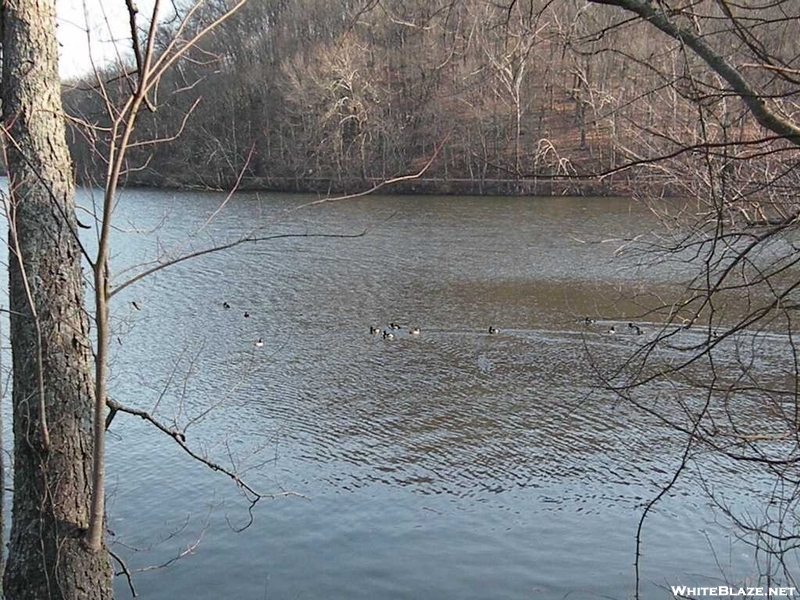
x: 450, y: 464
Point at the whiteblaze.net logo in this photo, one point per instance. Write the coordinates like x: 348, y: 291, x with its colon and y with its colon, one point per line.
x: 684, y: 591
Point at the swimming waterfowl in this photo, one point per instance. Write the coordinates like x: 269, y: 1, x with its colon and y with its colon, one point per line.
x: 588, y: 321
x: 414, y: 331
x: 259, y: 343
x: 374, y: 330
x: 225, y: 305
x: 394, y: 325
x: 246, y: 315
x: 611, y: 331
x: 493, y: 330
x: 636, y: 329
x: 388, y: 335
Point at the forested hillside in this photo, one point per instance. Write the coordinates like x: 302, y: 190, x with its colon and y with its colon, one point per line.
x: 314, y: 95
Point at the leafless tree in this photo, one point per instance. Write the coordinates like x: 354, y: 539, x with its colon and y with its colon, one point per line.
x: 57, y: 542
x: 714, y: 124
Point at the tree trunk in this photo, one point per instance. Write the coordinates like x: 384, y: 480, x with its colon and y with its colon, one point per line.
x: 52, y: 378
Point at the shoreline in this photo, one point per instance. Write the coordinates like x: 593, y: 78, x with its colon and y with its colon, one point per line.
x: 540, y: 186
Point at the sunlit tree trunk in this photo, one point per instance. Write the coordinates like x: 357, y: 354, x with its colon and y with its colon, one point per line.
x: 52, y: 378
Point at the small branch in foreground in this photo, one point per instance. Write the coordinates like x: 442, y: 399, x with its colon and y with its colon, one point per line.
x: 222, y: 247
x: 125, y: 571
x: 180, y: 439
x: 189, y: 550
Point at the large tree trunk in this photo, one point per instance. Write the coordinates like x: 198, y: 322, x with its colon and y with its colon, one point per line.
x: 51, y: 358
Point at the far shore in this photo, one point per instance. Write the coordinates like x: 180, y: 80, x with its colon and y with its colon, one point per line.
x: 538, y: 186
x: 545, y: 185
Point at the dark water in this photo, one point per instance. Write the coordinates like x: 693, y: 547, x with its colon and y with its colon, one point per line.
x: 452, y: 464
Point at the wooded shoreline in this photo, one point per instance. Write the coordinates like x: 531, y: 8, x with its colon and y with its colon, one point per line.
x: 561, y: 186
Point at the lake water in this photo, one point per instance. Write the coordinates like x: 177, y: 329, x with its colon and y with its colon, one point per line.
x: 452, y: 464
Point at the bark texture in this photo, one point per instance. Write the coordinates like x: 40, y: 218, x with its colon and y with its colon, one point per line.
x: 49, y: 328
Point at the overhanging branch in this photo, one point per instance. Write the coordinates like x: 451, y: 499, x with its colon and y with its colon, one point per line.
x: 656, y: 15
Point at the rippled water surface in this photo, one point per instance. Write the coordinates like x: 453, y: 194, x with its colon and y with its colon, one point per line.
x: 452, y: 464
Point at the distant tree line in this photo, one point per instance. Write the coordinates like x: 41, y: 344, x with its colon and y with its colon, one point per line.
x: 531, y: 97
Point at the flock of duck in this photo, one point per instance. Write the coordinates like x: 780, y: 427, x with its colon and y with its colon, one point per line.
x: 388, y: 334
x: 632, y: 327
x: 629, y: 329
x: 259, y: 343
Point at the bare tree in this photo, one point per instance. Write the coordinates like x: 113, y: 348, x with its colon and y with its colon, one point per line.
x: 718, y: 128
x: 53, y: 392
x: 57, y: 542
x: 509, y: 50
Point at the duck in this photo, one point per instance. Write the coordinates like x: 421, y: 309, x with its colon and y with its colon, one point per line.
x: 225, y: 305
x: 636, y: 329
x: 493, y: 330
x: 388, y: 335
x: 246, y: 315
x: 414, y: 331
x: 259, y: 343
x: 374, y: 330
x: 394, y: 325
x: 588, y: 321
x: 611, y: 331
